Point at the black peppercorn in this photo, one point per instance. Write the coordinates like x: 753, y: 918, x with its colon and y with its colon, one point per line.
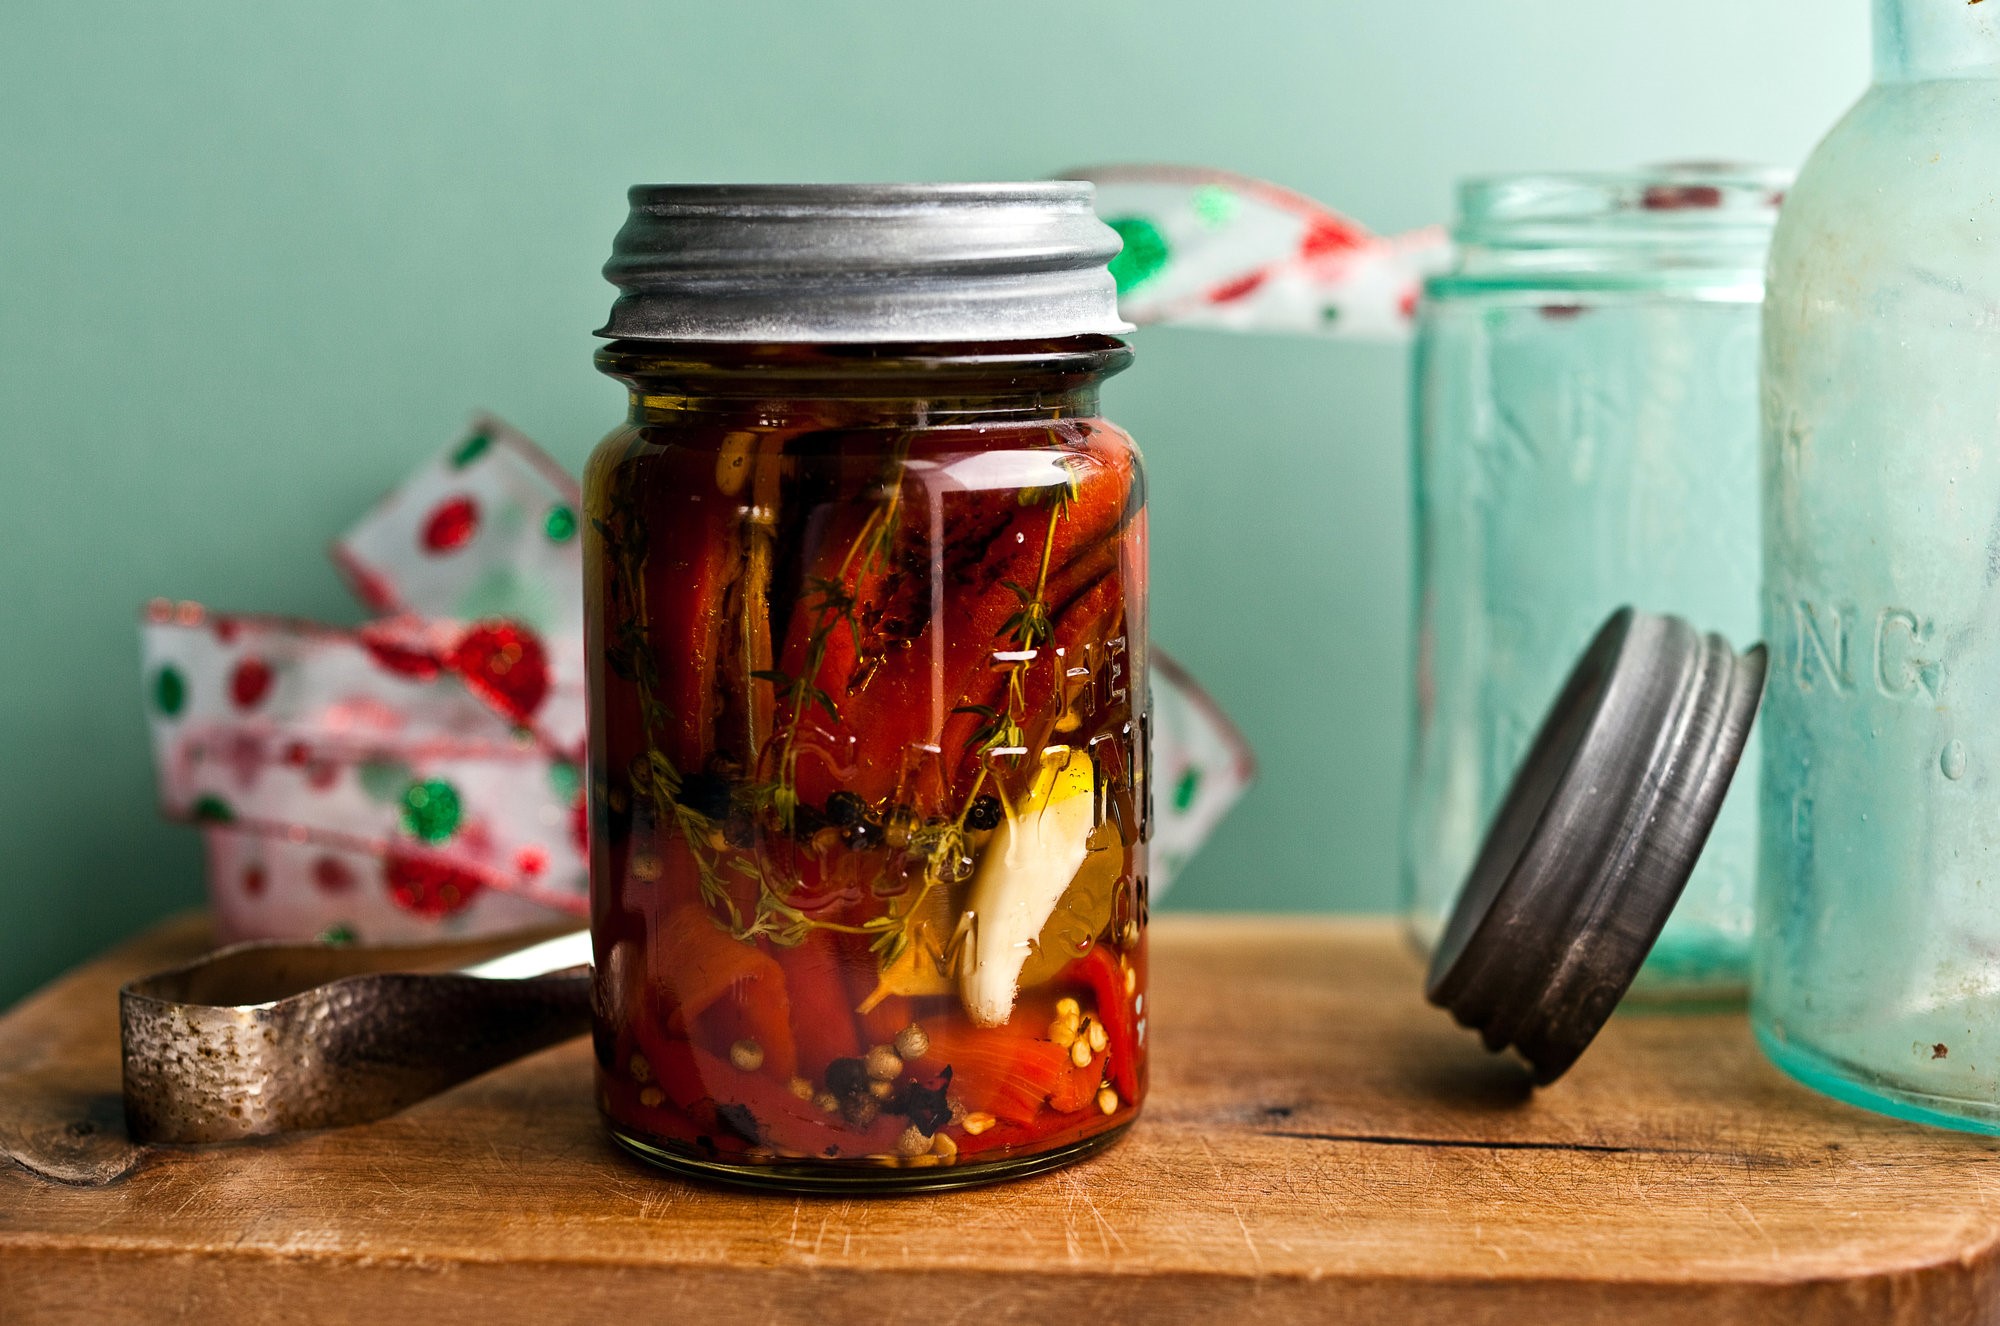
x: 706, y: 795
x: 847, y: 1077
x: 984, y: 813
x: 924, y: 1106
x: 739, y: 1120
x: 845, y: 809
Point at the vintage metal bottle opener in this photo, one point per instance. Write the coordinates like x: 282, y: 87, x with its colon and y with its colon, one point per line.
x: 269, y: 1038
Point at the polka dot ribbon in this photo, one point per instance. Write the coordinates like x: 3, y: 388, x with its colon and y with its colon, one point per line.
x: 1208, y: 248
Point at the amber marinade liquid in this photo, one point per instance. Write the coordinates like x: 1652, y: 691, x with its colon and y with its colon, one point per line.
x: 868, y: 751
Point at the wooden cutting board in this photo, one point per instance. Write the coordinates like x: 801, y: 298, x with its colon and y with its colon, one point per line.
x: 1319, y: 1146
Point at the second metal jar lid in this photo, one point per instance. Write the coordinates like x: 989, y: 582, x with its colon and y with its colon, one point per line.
x: 1597, y: 837
x: 861, y: 263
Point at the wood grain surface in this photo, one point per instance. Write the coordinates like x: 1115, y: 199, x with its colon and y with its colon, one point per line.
x: 1319, y: 1145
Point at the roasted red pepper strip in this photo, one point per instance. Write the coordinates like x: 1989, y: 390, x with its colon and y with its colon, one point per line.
x: 777, y: 1118
x: 1085, y: 602
x: 691, y: 559
x: 705, y: 1096
x: 898, y: 706
x: 881, y: 1023
x: 1086, y: 624
x: 1099, y: 970
x: 1008, y: 1073
x: 671, y: 1066
x: 708, y: 976
x: 822, y: 1014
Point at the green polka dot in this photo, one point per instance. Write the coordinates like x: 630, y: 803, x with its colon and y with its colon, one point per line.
x: 430, y: 810
x: 169, y: 691
x: 1144, y: 254
x: 564, y: 781
x: 470, y: 450
x: 212, y: 810
x: 338, y: 936
x: 561, y: 524
x: 1184, y: 790
x: 1215, y: 206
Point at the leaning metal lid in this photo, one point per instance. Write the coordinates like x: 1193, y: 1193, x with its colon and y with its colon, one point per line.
x: 1597, y: 837
x: 847, y: 263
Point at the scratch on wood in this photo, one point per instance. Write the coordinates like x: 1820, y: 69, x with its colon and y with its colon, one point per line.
x: 1107, y: 1234
x: 1256, y: 1257
x: 1209, y: 1151
x: 1750, y: 1218
x: 1478, y: 1144
x: 1076, y: 1189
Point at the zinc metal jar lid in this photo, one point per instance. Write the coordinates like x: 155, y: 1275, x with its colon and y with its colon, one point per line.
x: 1596, y: 838
x: 863, y: 263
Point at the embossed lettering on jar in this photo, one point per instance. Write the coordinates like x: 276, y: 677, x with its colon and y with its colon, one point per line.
x: 1878, y: 939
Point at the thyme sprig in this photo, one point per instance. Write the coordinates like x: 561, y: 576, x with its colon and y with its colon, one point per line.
x: 652, y: 774
x: 1001, y: 733
x: 944, y: 846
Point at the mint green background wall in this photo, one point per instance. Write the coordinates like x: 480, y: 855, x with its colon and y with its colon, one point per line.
x: 256, y: 259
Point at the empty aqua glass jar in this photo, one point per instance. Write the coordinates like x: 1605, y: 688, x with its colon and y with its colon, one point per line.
x: 1586, y: 438
x: 1877, y: 974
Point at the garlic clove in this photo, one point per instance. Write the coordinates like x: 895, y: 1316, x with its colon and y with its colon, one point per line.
x: 1022, y: 875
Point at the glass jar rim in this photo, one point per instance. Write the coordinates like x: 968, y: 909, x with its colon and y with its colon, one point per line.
x: 1674, y: 203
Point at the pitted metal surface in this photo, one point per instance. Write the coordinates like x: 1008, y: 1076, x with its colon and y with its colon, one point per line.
x: 863, y: 263
x: 270, y: 1038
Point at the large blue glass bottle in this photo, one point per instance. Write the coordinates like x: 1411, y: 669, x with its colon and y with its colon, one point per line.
x: 1877, y: 968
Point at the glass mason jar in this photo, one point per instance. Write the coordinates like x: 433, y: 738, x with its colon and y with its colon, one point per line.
x: 866, y: 614
x: 1878, y: 945
x: 1586, y: 438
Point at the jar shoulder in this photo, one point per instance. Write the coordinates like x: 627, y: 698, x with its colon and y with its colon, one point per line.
x: 1901, y: 186
x: 694, y: 455
x: 1090, y: 434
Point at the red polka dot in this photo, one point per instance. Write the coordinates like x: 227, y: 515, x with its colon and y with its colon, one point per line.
x: 429, y: 888
x: 250, y: 682
x: 402, y: 660
x: 451, y: 525
x: 1240, y: 288
x: 1325, y: 235
x: 394, y: 655
x: 296, y: 754
x: 332, y: 875
x: 226, y: 629
x: 505, y: 665
x: 253, y: 881
x: 374, y: 590
x: 322, y: 774
x: 531, y: 861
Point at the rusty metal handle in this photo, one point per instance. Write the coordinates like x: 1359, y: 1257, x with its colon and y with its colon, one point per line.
x: 271, y: 1038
